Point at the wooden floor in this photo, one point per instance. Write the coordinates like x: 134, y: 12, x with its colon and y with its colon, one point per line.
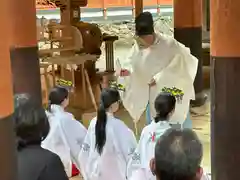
x: 76, y: 178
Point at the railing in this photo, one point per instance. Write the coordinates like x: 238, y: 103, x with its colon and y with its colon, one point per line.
x: 125, y: 3
x: 104, y: 4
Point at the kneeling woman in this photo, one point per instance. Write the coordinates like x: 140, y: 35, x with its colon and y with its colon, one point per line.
x: 164, y: 106
x: 31, y: 127
x: 109, y: 143
x: 66, y: 133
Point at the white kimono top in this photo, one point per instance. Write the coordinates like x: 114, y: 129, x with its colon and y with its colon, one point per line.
x: 112, y: 163
x: 65, y: 137
x: 142, y: 174
x: 145, y: 148
x: 170, y: 64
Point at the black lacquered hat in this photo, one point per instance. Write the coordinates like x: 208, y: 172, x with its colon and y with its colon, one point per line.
x: 144, y: 24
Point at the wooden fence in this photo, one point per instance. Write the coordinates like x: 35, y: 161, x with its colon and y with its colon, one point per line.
x: 104, y: 4
x: 125, y: 3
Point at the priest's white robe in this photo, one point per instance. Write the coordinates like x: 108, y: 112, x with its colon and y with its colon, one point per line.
x: 145, y: 148
x: 141, y: 174
x: 112, y: 163
x: 65, y: 137
x: 170, y: 64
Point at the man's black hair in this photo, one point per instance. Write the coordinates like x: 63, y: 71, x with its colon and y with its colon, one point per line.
x: 144, y: 24
x: 178, y: 155
x: 30, y: 121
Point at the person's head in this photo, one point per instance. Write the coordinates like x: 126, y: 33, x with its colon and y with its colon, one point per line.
x: 109, y: 103
x: 178, y: 155
x: 144, y: 28
x: 164, y: 105
x: 30, y: 121
x: 58, y: 96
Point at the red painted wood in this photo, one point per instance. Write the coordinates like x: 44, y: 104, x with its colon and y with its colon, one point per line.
x: 109, y: 3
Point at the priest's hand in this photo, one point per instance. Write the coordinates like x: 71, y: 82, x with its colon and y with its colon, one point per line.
x: 152, y: 82
x: 124, y: 72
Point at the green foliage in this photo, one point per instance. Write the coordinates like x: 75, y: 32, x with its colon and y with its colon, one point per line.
x: 177, y: 93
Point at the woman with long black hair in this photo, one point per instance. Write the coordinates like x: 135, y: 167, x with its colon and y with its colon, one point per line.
x: 66, y: 133
x: 109, y: 143
x: 165, y: 107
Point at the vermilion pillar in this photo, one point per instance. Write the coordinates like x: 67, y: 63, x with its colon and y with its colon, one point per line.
x: 7, y: 150
x: 24, y: 50
x: 138, y: 7
x: 225, y: 88
x: 188, y: 30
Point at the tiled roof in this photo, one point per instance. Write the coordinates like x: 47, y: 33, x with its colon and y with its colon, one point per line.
x: 45, y: 4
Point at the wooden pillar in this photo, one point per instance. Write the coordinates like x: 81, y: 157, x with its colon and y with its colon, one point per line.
x: 225, y: 88
x: 138, y: 7
x: 104, y: 9
x: 70, y: 15
x: 71, y: 12
x: 206, y: 14
x: 24, y: 49
x: 8, y: 158
x: 158, y: 6
x: 76, y: 14
x: 188, y: 30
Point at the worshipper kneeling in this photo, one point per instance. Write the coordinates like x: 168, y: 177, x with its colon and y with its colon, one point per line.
x: 66, y: 133
x: 178, y: 156
x: 31, y: 127
x: 164, y: 106
x: 109, y: 143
